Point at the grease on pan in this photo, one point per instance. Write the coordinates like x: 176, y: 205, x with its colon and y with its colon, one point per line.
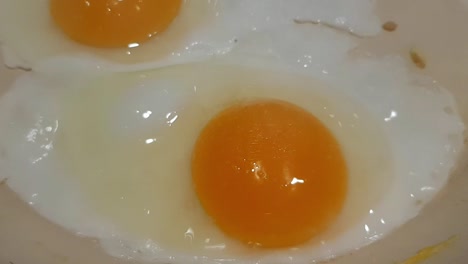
x: 418, y: 60
x: 390, y: 26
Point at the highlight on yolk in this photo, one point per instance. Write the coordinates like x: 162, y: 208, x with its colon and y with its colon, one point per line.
x: 113, y: 23
x: 269, y: 173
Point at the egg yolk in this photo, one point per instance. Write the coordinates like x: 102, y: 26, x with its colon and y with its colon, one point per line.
x: 269, y: 173
x: 113, y: 23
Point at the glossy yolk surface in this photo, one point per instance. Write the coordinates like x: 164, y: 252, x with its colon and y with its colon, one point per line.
x: 113, y: 23
x: 269, y: 173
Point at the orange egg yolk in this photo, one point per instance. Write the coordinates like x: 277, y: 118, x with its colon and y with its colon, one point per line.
x: 269, y: 173
x: 113, y: 23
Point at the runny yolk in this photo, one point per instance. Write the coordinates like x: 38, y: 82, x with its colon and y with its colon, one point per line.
x: 269, y: 173
x: 113, y: 23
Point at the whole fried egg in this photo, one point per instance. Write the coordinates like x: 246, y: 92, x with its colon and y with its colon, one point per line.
x: 132, y: 158
x: 151, y: 33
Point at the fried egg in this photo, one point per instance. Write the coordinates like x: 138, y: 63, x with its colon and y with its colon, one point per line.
x: 133, y: 158
x: 143, y: 32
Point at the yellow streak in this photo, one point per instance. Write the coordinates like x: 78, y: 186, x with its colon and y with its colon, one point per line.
x: 428, y: 252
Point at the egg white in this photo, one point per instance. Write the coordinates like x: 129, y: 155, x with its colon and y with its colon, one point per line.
x: 107, y: 155
x: 29, y: 37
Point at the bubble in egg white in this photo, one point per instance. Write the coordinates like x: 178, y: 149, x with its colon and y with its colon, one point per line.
x: 135, y: 195
x: 28, y: 36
